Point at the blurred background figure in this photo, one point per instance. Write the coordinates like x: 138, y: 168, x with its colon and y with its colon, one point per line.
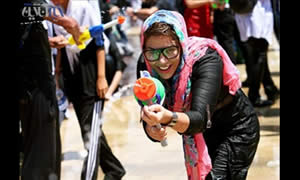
x: 256, y: 28
x: 38, y: 110
x: 111, y: 9
x: 85, y: 81
x: 57, y: 42
x: 198, y: 16
x: 227, y: 33
x: 148, y: 7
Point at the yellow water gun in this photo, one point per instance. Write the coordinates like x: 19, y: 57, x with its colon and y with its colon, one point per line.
x: 95, y: 32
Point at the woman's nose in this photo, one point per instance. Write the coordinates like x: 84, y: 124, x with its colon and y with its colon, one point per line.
x: 162, y: 59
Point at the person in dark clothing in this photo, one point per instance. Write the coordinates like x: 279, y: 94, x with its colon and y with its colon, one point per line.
x: 227, y: 33
x: 114, y: 68
x: 117, y: 37
x: 113, y: 60
x: 86, y: 83
x: 80, y: 88
x: 38, y: 110
x: 203, y: 99
x: 256, y: 30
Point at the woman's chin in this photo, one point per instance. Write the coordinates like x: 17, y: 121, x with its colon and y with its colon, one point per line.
x: 165, y: 75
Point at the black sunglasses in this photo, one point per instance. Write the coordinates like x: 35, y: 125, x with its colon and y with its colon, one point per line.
x: 154, y: 54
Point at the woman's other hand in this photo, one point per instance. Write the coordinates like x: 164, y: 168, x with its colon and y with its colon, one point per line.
x: 156, y: 133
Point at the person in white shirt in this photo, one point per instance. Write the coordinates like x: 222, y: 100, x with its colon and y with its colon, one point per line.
x: 256, y: 29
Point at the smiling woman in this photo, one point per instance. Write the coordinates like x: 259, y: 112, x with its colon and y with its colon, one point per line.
x: 167, y: 64
x: 203, y: 98
x: 162, y: 39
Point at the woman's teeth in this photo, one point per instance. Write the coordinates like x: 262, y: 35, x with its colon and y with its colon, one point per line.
x: 164, y: 68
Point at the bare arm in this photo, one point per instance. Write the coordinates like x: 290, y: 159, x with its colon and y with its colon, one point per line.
x: 68, y: 23
x: 143, y: 13
x: 101, y: 85
x: 114, y: 84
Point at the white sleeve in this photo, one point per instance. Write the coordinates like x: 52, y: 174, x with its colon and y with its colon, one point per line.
x: 96, y: 6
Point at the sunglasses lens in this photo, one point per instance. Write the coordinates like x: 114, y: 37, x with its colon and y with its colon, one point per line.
x: 170, y: 52
x: 152, y: 55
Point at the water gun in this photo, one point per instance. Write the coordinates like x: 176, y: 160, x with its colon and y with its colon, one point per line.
x: 226, y: 2
x: 95, y: 32
x: 149, y: 90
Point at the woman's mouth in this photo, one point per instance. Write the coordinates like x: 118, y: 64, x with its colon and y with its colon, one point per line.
x: 165, y: 69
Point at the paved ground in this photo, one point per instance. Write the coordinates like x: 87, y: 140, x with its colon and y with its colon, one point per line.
x: 144, y: 160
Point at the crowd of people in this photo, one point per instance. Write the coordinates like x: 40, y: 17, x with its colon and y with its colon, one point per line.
x: 192, y: 47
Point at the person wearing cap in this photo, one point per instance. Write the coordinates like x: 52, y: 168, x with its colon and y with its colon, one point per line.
x: 204, y: 101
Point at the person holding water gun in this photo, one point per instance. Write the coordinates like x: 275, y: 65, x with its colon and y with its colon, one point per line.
x: 203, y: 99
x: 83, y: 69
